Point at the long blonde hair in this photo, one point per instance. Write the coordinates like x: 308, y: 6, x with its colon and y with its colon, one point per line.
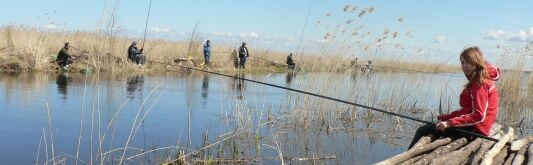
x: 474, y: 56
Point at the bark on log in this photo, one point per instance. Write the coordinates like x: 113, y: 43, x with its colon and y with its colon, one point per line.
x: 519, y: 158
x: 485, y: 146
x: 489, y: 156
x: 441, y: 151
x: 530, y: 154
x: 459, y: 156
x: 412, y: 160
x: 517, y: 144
x: 510, y: 158
x: 500, y: 157
x: 423, y: 141
x: 415, y: 151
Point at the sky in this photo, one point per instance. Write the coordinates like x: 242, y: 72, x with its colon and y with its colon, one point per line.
x: 424, y: 30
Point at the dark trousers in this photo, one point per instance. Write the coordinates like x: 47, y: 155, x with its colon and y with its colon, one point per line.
x: 137, y: 58
x: 431, y: 129
x: 65, y: 62
x: 242, y: 62
x: 291, y: 66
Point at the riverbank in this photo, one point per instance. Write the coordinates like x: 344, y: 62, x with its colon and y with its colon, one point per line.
x: 29, y: 49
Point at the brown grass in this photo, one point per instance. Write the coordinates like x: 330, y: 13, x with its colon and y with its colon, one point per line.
x: 31, y: 49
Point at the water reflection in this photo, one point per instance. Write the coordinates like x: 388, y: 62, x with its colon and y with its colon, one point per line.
x: 238, y: 85
x: 289, y: 77
x: 205, y: 87
x: 134, y: 85
x: 62, y: 81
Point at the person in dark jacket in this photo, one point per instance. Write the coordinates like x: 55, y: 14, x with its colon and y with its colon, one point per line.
x: 63, y: 57
x: 135, y: 55
x: 207, y: 52
x: 243, y: 54
x: 290, y: 62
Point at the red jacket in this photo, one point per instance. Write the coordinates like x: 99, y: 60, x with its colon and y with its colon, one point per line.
x: 479, y: 105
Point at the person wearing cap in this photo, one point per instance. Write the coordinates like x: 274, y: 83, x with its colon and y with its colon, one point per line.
x: 63, y: 57
x: 243, y: 54
x: 135, y: 55
x: 207, y: 52
x: 290, y: 62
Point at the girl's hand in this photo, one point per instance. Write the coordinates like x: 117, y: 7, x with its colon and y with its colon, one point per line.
x: 441, y: 126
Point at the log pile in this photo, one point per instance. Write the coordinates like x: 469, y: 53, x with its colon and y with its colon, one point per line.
x: 445, y: 150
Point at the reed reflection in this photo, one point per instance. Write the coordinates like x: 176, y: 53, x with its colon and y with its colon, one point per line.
x: 62, y: 81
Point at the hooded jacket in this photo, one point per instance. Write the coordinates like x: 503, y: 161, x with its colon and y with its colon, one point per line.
x: 479, y: 105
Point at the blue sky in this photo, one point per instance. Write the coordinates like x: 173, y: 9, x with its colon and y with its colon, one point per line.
x: 429, y: 30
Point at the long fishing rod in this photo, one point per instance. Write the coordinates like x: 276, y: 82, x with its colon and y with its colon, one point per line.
x: 344, y: 101
x: 146, y: 25
x: 305, y: 25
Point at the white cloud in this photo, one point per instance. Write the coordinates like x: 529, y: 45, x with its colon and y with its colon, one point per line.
x: 222, y: 34
x: 160, y: 30
x: 249, y: 35
x: 520, y: 36
x: 51, y: 26
x: 440, y: 39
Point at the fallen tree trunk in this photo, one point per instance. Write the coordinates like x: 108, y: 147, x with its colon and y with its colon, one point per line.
x: 517, y: 144
x: 441, y: 151
x: 485, y: 146
x: 520, y: 157
x: 415, y: 151
x: 459, y: 156
x: 489, y: 156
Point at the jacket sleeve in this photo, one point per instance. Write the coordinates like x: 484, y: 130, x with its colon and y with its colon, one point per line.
x: 445, y: 117
x: 480, y: 98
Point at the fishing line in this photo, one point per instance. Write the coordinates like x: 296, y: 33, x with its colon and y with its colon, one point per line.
x: 343, y: 101
x: 146, y: 25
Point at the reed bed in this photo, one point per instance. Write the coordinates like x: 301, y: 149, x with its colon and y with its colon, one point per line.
x: 27, y: 48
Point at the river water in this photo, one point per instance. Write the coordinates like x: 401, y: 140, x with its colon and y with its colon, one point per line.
x: 92, y: 118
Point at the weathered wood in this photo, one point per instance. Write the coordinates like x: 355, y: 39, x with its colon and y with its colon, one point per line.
x: 517, y: 144
x: 489, y: 156
x: 485, y: 146
x: 459, y: 156
x: 510, y: 158
x: 500, y: 157
x: 530, y: 154
x: 423, y: 141
x: 412, y: 160
x: 441, y: 151
x: 415, y: 151
x: 519, y: 158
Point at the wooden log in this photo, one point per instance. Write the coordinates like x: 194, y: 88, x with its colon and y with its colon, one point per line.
x: 530, y: 154
x: 441, y: 151
x: 415, y: 151
x: 485, y: 146
x: 517, y: 144
x: 459, y: 156
x: 423, y: 141
x: 412, y: 160
x: 500, y: 157
x: 519, y: 158
x: 489, y: 156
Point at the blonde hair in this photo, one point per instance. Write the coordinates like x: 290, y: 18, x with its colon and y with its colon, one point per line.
x: 474, y: 56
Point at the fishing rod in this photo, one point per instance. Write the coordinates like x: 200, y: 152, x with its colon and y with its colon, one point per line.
x: 344, y: 101
x: 146, y: 24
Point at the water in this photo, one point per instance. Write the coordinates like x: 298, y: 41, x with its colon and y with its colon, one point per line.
x: 163, y: 113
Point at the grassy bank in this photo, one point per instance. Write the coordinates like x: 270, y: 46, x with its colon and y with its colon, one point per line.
x: 30, y: 49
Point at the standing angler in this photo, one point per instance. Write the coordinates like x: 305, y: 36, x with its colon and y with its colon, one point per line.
x: 207, y: 52
x: 243, y: 54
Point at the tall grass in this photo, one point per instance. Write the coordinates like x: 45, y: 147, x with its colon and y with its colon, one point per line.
x: 35, y: 49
